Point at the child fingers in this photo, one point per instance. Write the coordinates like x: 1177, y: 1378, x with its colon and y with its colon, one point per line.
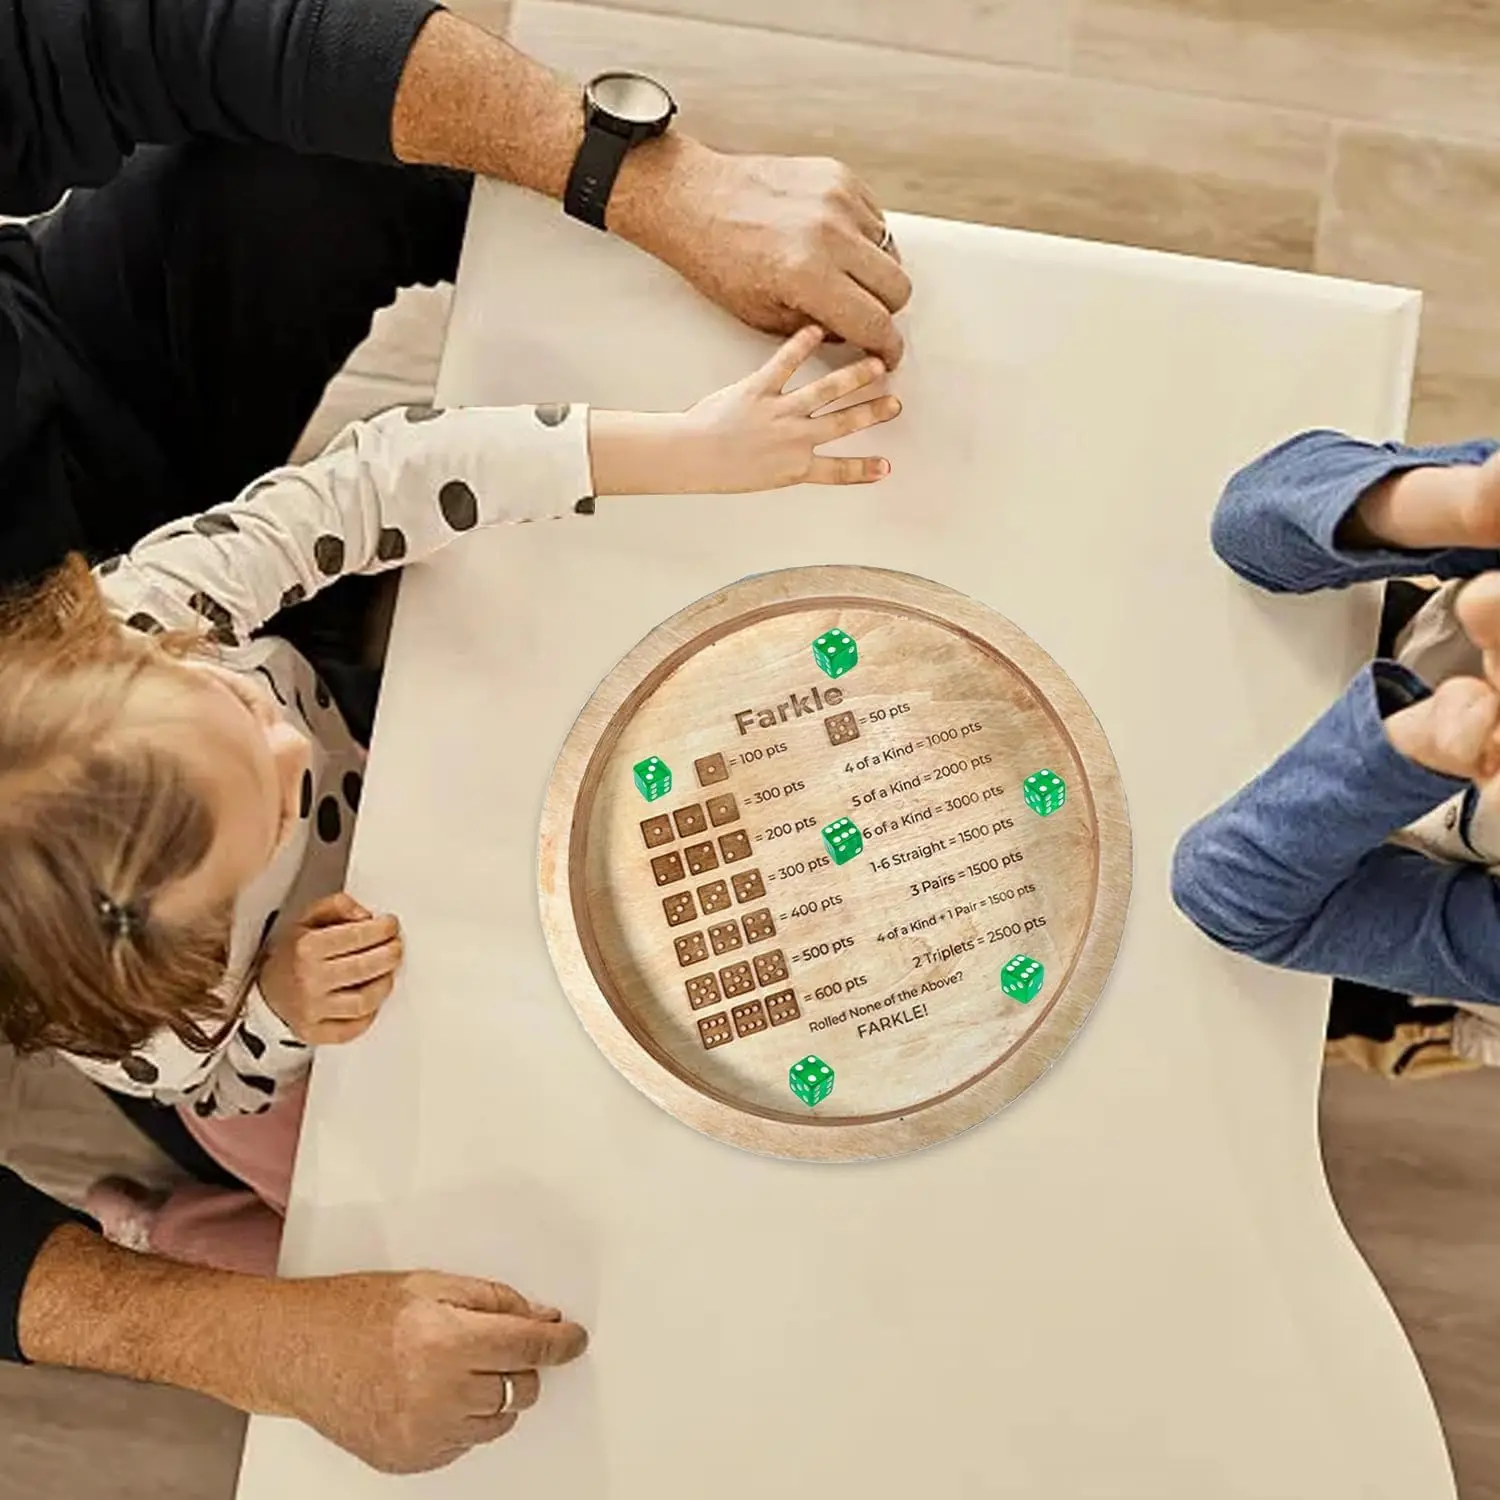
x: 352, y: 937
x: 333, y: 910
x: 1478, y: 611
x: 790, y: 358
x: 1453, y: 731
x: 855, y: 418
x: 357, y: 969
x: 359, y: 1002
x: 1469, y: 716
x: 835, y: 385
x: 847, y: 470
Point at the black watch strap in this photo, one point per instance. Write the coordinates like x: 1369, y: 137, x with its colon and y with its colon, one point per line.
x: 593, y: 175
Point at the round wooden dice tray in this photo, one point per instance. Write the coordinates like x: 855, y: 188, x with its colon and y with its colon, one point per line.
x: 908, y: 874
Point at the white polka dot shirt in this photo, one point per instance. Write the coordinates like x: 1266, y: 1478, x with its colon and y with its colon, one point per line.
x: 388, y: 491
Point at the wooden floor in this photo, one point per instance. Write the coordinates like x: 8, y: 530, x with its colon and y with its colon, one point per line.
x: 1354, y: 137
x: 1415, y: 1169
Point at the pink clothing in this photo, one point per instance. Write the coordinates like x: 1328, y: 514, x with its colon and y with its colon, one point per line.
x: 236, y: 1230
x: 260, y: 1150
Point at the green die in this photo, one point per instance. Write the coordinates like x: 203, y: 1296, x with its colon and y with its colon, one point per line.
x: 653, y: 778
x: 843, y: 840
x: 1022, y: 978
x: 811, y: 1080
x: 1045, y: 792
x: 835, y: 652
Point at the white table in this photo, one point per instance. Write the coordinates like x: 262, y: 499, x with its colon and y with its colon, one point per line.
x: 1132, y: 1284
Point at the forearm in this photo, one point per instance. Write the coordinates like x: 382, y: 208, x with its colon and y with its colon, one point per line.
x: 468, y: 99
x: 92, y: 1306
x: 28, y: 1219
x: 639, y: 453
x: 1416, y: 510
x: 1261, y: 873
x: 384, y: 1365
x: 387, y: 492
x: 1297, y: 518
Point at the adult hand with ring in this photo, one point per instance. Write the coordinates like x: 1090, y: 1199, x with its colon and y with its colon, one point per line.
x: 779, y: 241
x: 409, y: 1372
x: 508, y: 1394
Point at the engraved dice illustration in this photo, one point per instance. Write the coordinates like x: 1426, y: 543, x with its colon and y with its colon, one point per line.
x: 700, y: 855
x: 713, y: 897
x: 691, y: 949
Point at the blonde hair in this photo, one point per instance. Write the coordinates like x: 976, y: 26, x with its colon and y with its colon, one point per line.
x: 95, y: 822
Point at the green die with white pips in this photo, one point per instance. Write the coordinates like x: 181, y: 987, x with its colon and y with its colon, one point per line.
x: 835, y: 652
x: 843, y: 840
x: 811, y: 1080
x: 1022, y: 978
x: 1045, y: 792
x: 653, y: 778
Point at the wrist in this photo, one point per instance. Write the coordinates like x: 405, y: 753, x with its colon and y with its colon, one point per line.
x: 641, y: 453
x: 1417, y: 510
x: 282, y: 1014
x: 644, y: 207
x: 284, y: 1017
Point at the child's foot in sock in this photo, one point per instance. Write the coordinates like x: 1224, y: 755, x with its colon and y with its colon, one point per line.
x: 126, y: 1211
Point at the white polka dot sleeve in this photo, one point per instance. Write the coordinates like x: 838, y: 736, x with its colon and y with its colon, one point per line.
x: 243, y: 1075
x: 386, y: 492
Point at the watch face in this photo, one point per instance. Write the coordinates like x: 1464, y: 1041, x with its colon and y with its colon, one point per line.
x: 631, y: 97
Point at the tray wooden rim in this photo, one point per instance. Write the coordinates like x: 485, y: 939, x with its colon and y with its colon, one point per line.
x: 562, y: 842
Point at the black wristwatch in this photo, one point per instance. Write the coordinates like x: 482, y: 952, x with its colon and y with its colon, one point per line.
x: 620, y: 110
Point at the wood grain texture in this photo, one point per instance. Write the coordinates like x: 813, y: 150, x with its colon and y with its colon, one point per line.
x: 1415, y: 1170
x: 69, y: 1436
x: 1205, y: 126
x: 1426, y: 213
x: 1171, y: 160
x: 493, y: 15
x: 963, y: 1048
x: 1431, y: 65
x: 975, y: 141
x: 1027, y: 31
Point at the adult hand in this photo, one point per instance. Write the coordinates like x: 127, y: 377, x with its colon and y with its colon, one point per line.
x: 329, y: 975
x: 406, y: 1371
x: 403, y: 1370
x: 1456, y: 731
x: 1439, y: 506
x: 778, y: 241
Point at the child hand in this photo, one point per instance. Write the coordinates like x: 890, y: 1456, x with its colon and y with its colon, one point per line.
x: 1453, y: 732
x: 1422, y: 509
x: 756, y: 435
x: 752, y: 435
x: 328, y: 977
x: 1480, y: 507
x: 1456, y: 731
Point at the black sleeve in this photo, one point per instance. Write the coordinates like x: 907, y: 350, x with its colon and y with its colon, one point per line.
x: 82, y: 82
x: 27, y: 1219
